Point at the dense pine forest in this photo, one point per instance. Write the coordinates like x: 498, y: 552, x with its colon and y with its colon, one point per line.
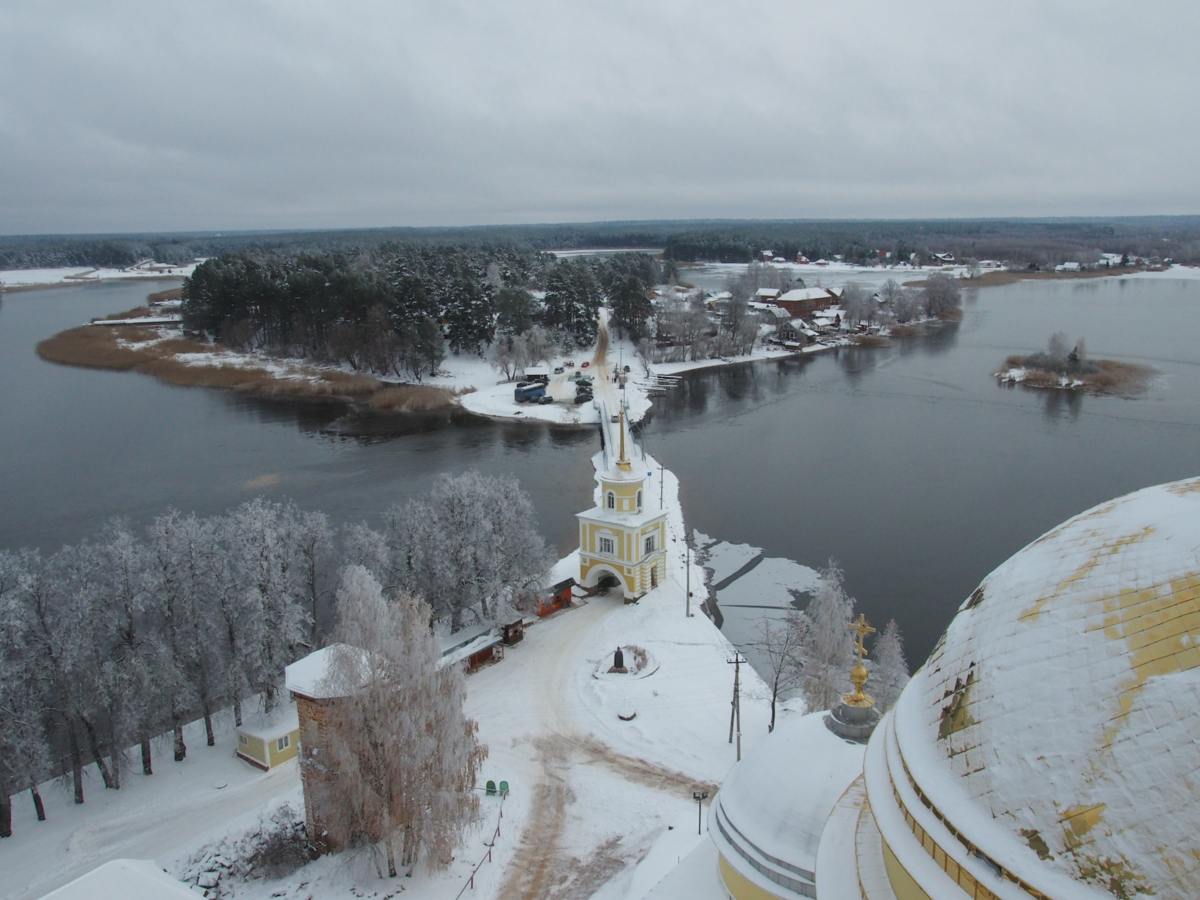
x: 397, y: 309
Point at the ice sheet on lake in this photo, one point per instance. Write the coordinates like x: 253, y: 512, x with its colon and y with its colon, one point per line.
x: 767, y: 584
x: 725, y: 559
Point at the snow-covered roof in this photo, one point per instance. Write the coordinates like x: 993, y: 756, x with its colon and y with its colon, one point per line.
x: 1057, y: 723
x: 309, y: 676
x: 280, y: 721
x: 767, y: 292
x: 806, y: 294
x: 124, y: 879
x: 776, y: 800
x: 466, y: 643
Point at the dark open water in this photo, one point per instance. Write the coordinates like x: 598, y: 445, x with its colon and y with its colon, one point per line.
x: 909, y: 464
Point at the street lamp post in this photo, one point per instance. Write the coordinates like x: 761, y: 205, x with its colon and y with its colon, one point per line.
x: 699, y: 797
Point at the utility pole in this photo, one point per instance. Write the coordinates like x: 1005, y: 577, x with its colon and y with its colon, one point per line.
x: 699, y: 797
x: 687, y: 579
x: 662, y: 470
x: 736, y: 712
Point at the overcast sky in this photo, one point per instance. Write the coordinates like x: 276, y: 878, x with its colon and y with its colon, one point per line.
x: 236, y: 114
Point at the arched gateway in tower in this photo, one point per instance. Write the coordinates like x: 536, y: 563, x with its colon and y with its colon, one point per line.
x: 620, y: 538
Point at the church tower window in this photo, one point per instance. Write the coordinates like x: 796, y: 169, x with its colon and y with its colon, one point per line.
x: 612, y: 500
x: 639, y: 506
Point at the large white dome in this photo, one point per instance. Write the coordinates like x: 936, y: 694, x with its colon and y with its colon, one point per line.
x: 1056, y: 726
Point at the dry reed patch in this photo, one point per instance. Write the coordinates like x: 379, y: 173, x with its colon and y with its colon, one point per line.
x: 160, y: 296
x: 412, y: 398
x: 136, y: 312
x: 143, y: 349
x: 869, y: 340
x: 1114, y: 379
x: 904, y: 330
x: 99, y: 348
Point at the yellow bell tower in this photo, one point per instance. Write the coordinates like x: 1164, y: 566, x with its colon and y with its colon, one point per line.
x: 621, y: 538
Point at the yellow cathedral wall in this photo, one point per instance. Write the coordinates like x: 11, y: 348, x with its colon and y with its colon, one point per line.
x: 742, y: 888
x: 903, y: 884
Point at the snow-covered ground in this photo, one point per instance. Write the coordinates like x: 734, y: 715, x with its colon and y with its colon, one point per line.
x: 17, y: 278
x: 598, y: 806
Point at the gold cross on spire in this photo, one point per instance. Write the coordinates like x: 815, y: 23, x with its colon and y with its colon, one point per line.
x: 863, y: 630
x: 858, y: 675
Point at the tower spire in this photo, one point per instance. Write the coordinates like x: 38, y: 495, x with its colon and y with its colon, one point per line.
x: 622, y: 462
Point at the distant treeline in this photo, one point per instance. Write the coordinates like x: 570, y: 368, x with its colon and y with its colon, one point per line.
x: 1021, y: 241
x: 393, y: 309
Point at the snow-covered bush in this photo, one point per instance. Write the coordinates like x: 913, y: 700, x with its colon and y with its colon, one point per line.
x: 273, y: 849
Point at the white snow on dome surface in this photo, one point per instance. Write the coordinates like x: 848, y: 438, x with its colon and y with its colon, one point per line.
x: 780, y: 795
x: 1057, y: 723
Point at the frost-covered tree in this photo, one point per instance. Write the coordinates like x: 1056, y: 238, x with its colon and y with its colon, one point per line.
x: 24, y: 760
x: 206, y: 661
x: 471, y: 545
x: 125, y: 612
x: 363, y: 546
x: 942, y: 294
x: 858, y: 303
x: 828, y: 646
x: 782, y: 643
x: 406, y: 757
x: 51, y: 608
x: 889, y: 669
x: 311, y: 538
x: 268, y: 582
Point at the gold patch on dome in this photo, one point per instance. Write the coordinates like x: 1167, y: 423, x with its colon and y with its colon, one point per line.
x: 1183, y: 488
x: 1161, y: 628
x: 1108, y: 548
x: 1078, y: 821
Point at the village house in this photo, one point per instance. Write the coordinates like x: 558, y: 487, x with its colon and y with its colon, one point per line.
x: 767, y: 295
x: 804, y: 302
x: 794, y: 332
x: 266, y: 740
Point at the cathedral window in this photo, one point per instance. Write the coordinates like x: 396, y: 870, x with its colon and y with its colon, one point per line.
x: 639, y: 500
x: 649, y: 545
x: 612, y: 500
x: 606, y: 544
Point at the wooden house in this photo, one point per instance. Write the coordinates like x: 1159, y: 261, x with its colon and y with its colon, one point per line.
x: 267, y: 740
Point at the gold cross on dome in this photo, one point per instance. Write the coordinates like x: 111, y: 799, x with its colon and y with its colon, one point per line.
x: 863, y: 629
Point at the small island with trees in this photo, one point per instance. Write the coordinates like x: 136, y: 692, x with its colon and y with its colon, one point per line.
x: 1064, y: 367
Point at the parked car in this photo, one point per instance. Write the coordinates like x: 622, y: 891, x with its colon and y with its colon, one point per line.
x: 584, y: 364
x: 544, y: 400
x: 569, y: 364
x: 583, y: 397
x: 558, y: 370
x: 616, y: 417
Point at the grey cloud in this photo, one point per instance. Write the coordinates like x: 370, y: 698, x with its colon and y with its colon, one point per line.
x: 141, y: 116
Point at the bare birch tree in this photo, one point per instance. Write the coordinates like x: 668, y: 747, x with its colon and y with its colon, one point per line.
x: 405, y: 755
x: 782, y: 642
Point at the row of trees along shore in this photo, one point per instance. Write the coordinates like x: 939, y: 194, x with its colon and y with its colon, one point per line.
x: 106, y: 644
x: 811, y: 651
x: 394, y: 310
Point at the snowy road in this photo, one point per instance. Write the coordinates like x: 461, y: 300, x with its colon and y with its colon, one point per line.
x: 149, y: 818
